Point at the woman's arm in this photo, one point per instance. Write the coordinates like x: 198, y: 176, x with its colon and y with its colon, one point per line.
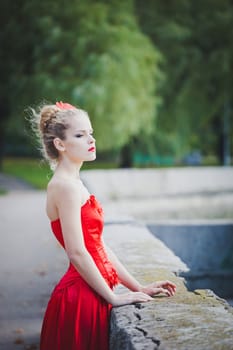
x: 131, y: 283
x: 68, y: 202
x: 125, y: 277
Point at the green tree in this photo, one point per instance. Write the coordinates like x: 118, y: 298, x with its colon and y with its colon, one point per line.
x: 19, y: 38
x: 119, y: 75
x: 92, y: 54
x: 195, y: 40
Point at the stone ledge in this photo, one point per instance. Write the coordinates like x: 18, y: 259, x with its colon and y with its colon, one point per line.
x: 211, y: 257
x: 147, y: 183
x: 189, y: 320
x: 195, y: 321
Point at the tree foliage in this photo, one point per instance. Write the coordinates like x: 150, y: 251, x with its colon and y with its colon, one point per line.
x: 118, y: 76
x: 135, y: 66
x: 92, y: 54
x: 195, y: 39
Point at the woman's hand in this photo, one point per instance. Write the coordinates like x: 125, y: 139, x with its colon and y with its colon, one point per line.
x: 130, y: 298
x: 165, y: 287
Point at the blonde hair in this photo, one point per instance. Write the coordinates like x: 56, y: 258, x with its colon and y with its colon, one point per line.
x: 50, y: 122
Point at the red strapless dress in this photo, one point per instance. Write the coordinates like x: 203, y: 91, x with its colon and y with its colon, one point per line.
x: 77, y: 318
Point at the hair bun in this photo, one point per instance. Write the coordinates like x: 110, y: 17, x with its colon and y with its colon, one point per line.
x: 46, y: 115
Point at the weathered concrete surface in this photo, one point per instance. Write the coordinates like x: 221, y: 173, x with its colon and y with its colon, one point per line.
x: 187, y: 321
x: 152, y: 194
x: 211, y: 258
x: 199, y: 320
x: 138, y: 246
x: 136, y: 183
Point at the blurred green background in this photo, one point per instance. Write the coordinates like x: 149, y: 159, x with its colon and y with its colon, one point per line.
x: 154, y: 76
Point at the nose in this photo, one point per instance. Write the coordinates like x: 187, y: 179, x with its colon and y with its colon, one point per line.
x: 91, y: 139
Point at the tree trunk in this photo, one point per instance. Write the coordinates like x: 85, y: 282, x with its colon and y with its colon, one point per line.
x: 126, y: 157
x: 3, y: 117
x: 226, y: 156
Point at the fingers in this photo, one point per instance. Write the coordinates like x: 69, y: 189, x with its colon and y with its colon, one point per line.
x: 166, y: 283
x: 171, y: 289
x: 130, y: 298
x: 163, y: 291
x: 165, y: 287
x: 170, y: 286
x: 140, y: 297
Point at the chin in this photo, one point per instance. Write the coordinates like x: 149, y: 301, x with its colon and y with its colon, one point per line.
x: 90, y: 159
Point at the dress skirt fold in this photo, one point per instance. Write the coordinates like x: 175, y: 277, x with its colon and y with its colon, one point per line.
x: 76, y: 318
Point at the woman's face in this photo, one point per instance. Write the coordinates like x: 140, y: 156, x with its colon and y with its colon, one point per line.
x: 79, y: 143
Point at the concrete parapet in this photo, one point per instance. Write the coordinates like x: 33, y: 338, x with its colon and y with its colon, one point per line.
x: 172, y: 193
x: 147, y: 183
x: 189, y: 320
x: 207, y: 249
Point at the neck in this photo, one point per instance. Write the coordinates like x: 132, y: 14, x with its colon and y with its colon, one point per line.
x: 68, y: 169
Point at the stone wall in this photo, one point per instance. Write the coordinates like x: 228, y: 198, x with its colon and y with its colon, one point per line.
x: 146, y: 183
x: 172, y: 193
x: 196, y: 320
x: 206, y: 247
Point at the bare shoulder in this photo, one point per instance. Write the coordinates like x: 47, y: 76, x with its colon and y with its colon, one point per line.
x: 61, y: 188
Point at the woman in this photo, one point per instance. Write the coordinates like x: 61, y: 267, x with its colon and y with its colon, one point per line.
x: 77, y: 315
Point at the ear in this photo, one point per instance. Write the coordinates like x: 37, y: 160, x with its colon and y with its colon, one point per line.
x: 59, y: 145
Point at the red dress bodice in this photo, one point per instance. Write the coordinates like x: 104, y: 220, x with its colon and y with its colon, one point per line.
x: 92, y: 227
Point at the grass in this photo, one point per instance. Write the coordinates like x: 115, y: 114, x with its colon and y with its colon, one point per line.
x: 99, y: 165
x: 33, y: 171
x: 37, y: 172
x: 2, y: 191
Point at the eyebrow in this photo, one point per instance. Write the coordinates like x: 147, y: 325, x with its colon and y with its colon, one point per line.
x: 84, y: 130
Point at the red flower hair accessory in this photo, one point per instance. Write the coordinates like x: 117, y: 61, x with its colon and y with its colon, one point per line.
x: 62, y: 105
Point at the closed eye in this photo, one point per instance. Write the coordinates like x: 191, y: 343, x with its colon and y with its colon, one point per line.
x: 83, y: 132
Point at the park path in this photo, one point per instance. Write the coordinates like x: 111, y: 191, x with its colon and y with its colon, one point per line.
x: 31, y: 262
x: 11, y: 183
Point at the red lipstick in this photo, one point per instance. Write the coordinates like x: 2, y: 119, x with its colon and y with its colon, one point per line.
x: 92, y: 149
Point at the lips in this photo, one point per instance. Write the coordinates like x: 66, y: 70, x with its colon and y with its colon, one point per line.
x: 92, y: 149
